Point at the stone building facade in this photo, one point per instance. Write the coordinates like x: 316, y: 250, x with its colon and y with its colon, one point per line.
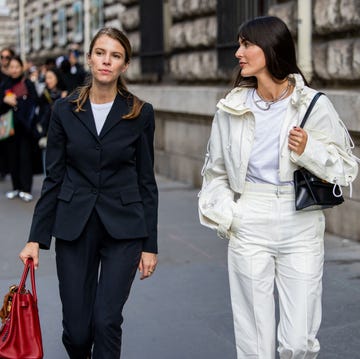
x: 183, y: 63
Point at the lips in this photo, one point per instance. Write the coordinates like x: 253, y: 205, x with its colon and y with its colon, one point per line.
x: 105, y: 72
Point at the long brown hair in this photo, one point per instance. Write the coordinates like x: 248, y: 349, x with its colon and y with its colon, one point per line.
x: 134, y: 102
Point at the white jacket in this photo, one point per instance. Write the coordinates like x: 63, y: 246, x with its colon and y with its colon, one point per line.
x: 327, y: 153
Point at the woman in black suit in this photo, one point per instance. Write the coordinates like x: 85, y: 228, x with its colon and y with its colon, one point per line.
x: 99, y: 200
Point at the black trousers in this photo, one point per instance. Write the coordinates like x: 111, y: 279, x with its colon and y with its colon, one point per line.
x: 4, y: 168
x: 19, y: 154
x: 95, y: 275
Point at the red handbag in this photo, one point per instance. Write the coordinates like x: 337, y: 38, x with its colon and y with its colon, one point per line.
x: 20, y: 334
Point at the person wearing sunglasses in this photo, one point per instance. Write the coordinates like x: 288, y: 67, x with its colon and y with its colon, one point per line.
x: 6, y: 55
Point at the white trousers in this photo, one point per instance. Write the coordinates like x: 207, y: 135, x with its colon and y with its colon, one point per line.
x: 271, y: 243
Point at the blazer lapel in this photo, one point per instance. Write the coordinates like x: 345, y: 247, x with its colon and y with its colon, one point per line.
x: 118, y: 110
x: 87, y: 118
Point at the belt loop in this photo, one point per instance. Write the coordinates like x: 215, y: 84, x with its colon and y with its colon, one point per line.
x: 277, y: 191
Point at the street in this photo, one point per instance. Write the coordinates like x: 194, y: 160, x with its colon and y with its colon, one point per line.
x: 183, y: 311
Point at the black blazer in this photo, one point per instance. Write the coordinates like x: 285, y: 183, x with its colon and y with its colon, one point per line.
x: 111, y: 173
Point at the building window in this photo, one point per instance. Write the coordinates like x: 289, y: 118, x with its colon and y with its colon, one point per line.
x: 27, y: 29
x: 230, y: 16
x: 48, y: 31
x: 62, y: 27
x: 152, y: 37
x: 78, y: 24
x: 96, y: 16
x: 36, y: 34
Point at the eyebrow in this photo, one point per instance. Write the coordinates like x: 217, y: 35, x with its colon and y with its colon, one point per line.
x: 113, y: 52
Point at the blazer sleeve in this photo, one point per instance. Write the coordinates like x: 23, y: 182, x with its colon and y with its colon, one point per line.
x: 44, y: 213
x: 146, y: 177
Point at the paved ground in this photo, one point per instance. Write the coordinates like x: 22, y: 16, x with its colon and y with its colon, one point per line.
x: 183, y: 311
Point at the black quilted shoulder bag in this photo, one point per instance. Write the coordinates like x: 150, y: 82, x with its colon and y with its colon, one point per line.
x: 311, y: 192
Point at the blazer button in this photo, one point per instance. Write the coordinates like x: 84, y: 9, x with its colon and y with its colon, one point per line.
x: 98, y: 147
x: 94, y: 191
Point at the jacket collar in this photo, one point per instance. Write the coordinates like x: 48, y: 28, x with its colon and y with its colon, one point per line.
x: 119, y: 108
x: 234, y: 102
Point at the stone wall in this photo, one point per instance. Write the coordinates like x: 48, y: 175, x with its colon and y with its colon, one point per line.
x: 191, y: 37
x: 336, y: 39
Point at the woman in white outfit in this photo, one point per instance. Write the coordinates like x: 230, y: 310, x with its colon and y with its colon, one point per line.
x: 247, y: 194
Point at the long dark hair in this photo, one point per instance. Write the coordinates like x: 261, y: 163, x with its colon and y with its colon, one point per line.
x: 273, y: 36
x: 134, y: 102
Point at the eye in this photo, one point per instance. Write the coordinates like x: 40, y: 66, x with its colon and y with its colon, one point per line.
x: 245, y: 43
x: 118, y: 55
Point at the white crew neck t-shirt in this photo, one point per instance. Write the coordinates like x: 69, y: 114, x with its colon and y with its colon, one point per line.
x: 100, y: 112
x: 263, y: 164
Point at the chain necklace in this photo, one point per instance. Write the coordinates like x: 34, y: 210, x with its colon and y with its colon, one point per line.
x: 268, y: 104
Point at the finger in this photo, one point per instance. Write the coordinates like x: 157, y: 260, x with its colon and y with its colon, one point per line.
x: 140, y: 266
x: 148, y: 271
x: 36, y: 261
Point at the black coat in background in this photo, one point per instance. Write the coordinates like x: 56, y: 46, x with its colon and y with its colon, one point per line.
x: 20, y: 149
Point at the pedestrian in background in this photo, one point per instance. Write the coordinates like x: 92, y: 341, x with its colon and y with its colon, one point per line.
x: 54, y: 89
x: 77, y: 69
x: 5, y: 55
x: 99, y: 200
x: 19, y: 95
x: 73, y: 73
x: 248, y: 193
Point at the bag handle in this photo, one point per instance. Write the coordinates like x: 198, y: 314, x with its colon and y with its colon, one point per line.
x: 29, y: 266
x: 308, y: 111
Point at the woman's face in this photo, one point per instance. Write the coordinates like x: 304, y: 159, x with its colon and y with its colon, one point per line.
x: 5, y: 58
x: 251, y: 59
x: 50, y: 80
x: 15, y: 69
x: 107, y: 60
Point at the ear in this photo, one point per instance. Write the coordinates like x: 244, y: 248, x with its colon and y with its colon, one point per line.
x: 88, y: 59
x: 125, y: 67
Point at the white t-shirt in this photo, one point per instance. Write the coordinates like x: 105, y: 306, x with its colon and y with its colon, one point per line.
x: 264, y: 158
x: 100, y: 112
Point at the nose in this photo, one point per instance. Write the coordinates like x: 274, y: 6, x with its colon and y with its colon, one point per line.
x: 107, y: 59
x: 238, y: 53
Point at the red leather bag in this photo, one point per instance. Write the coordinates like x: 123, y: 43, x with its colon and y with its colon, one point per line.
x: 20, y: 334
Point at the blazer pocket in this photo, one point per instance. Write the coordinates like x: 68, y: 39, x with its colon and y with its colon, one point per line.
x: 130, y: 196
x: 66, y: 194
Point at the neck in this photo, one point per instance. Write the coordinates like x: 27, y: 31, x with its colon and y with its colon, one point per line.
x: 271, y: 90
x: 102, y: 94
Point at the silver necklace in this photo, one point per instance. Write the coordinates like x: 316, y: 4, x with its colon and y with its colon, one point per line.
x: 268, y: 104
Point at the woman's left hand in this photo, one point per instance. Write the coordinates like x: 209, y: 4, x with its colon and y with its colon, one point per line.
x: 297, y: 140
x: 147, y: 264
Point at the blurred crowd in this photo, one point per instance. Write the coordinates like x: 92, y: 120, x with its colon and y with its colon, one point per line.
x: 27, y: 94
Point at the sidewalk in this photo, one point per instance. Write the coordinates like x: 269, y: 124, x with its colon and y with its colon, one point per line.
x: 183, y: 311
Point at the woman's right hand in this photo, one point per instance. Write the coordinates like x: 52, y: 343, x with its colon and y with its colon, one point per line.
x: 10, y: 99
x: 31, y: 250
